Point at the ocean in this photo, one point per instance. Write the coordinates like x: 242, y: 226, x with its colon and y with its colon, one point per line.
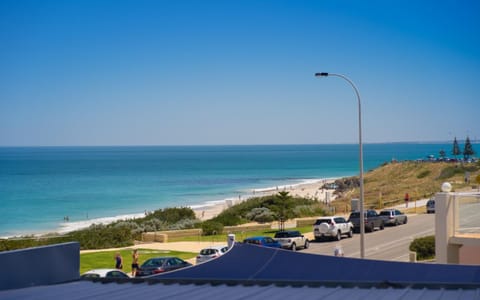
x: 41, y: 186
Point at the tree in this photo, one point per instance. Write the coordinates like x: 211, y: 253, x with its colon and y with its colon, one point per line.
x: 284, y: 208
x: 456, y: 149
x: 468, y: 150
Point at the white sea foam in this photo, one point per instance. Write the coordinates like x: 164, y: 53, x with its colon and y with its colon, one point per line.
x: 295, y: 184
x: 72, y: 226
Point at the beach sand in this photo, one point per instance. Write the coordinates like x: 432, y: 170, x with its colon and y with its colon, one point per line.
x: 310, y: 190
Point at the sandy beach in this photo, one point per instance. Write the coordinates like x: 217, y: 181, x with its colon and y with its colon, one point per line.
x: 312, y: 190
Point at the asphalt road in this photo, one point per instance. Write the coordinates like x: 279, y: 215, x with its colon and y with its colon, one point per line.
x: 389, y: 244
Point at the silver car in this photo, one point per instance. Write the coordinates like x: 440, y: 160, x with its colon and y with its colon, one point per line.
x: 393, y: 217
x: 332, y: 227
x: 210, y: 253
x: 104, y: 273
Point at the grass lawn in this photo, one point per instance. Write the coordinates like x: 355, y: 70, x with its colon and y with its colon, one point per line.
x: 97, y: 260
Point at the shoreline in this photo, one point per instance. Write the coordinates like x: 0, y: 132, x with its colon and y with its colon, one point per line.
x: 307, y: 188
x: 311, y: 188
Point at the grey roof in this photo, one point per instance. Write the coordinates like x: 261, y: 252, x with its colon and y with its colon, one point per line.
x: 97, y: 290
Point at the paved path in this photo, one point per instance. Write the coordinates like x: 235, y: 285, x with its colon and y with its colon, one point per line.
x: 173, y: 246
x: 411, y: 204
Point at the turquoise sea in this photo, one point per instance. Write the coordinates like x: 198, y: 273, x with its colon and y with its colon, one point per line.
x: 40, y: 186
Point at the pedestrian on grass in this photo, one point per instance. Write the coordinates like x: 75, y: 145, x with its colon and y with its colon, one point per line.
x: 134, y: 262
x: 118, y: 261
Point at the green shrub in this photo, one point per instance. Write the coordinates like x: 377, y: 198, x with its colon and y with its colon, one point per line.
x: 261, y: 215
x: 99, y: 236
x: 169, y: 215
x: 211, y: 228
x: 423, y: 174
x: 425, y: 247
x: 229, y: 218
x: 449, y: 172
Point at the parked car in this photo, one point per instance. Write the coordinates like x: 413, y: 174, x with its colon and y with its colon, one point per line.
x: 393, y: 217
x: 371, y: 218
x: 209, y: 253
x: 159, y: 265
x: 291, y: 239
x: 265, y: 241
x: 104, y: 273
x: 431, y: 206
x: 332, y: 227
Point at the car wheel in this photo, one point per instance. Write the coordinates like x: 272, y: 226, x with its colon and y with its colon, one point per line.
x: 350, y: 233
x: 307, y: 244
x: 405, y: 221
x: 382, y: 226
x: 339, y: 236
x: 293, y: 247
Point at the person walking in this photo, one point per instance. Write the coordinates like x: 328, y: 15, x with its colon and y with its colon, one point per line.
x: 134, y: 262
x: 118, y: 261
x: 338, y: 250
x: 407, y: 198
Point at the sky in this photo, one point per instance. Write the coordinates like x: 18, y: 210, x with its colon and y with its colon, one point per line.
x: 97, y: 72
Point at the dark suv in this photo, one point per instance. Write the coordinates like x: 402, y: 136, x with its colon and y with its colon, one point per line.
x: 372, y: 220
x: 431, y: 206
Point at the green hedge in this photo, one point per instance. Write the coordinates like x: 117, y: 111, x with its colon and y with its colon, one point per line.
x: 425, y: 247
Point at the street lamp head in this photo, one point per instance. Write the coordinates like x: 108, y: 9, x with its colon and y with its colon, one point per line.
x: 324, y: 74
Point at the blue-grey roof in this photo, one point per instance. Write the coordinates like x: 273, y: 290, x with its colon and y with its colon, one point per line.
x: 251, y: 262
x: 97, y: 290
x: 254, y: 272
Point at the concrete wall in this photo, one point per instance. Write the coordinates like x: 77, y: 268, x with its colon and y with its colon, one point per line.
x: 469, y: 255
x: 39, y: 266
x: 445, y: 208
x: 450, y: 246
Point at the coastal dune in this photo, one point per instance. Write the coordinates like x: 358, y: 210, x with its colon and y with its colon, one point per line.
x: 311, y: 189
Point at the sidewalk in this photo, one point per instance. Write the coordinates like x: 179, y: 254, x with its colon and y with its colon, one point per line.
x: 413, y: 204
x: 173, y: 246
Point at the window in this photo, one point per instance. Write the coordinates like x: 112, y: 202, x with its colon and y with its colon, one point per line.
x: 268, y: 240
x: 320, y: 221
x: 207, y: 252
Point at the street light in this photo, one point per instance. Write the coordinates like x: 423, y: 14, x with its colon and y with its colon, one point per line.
x: 360, y: 151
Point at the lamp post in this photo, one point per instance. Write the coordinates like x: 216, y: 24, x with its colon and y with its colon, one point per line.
x: 360, y: 152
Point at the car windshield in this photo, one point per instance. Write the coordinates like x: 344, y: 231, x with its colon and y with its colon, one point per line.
x: 154, y: 262
x: 320, y: 221
x: 207, y: 251
x: 355, y: 215
x: 385, y: 213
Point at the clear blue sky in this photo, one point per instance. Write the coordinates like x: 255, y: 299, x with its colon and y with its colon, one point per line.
x: 237, y: 72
